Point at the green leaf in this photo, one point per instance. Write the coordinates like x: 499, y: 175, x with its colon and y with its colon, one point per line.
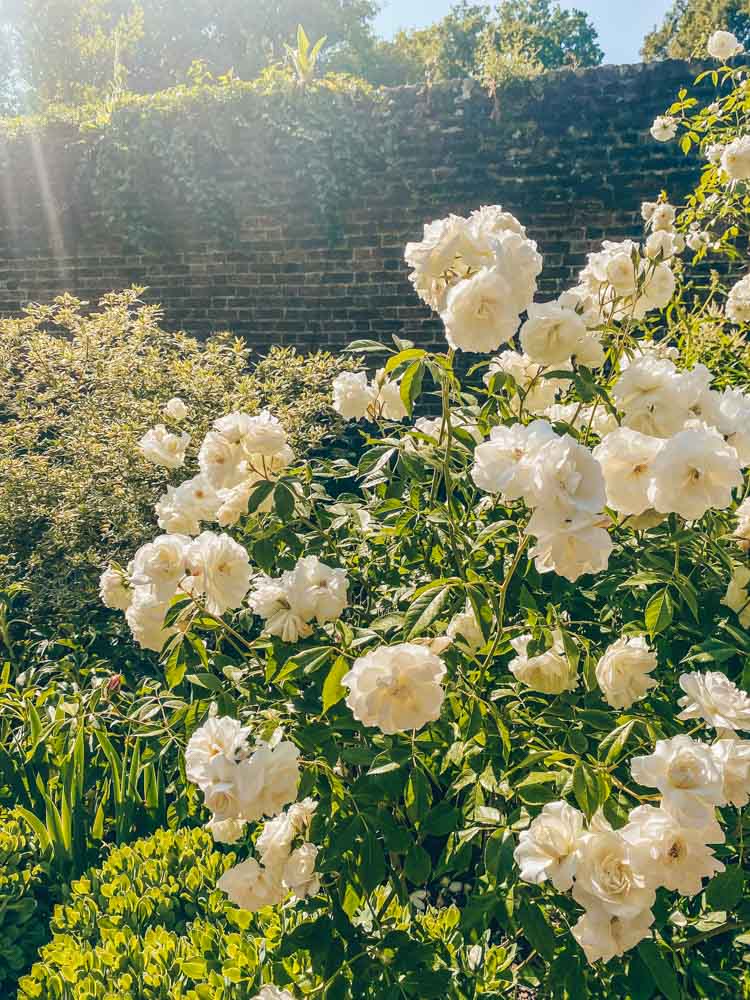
x: 411, y: 385
x: 417, y: 865
x: 372, y: 869
x: 333, y: 690
x: 725, y: 891
x: 368, y: 346
x: 412, y: 354
x: 589, y: 789
x: 424, y: 611
x: 659, y: 611
x: 261, y: 492
x: 283, y: 500
x: 661, y: 971
x: 537, y: 931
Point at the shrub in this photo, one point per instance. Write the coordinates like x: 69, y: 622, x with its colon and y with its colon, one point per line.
x: 148, y: 923
x: 24, y: 911
x: 510, y: 662
x: 78, y: 391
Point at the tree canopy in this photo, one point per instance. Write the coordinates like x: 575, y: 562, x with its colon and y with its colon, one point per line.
x: 688, y: 24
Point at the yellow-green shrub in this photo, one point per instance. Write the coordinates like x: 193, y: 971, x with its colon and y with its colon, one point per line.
x: 78, y: 391
x: 23, y: 909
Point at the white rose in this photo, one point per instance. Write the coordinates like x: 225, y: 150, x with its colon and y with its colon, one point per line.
x: 698, y: 240
x: 270, y: 992
x: 538, y: 393
x: 503, y: 464
x: 663, y: 216
x: 145, y: 616
x: 647, y: 210
x: 626, y: 457
x: 218, y: 570
x: 226, y: 831
x: 548, y: 672
x: 552, y: 334
x: 114, y: 590
x: 221, y: 461
x: 250, y: 886
x: 711, y: 696
x: 732, y: 420
x: 263, y: 435
x: 389, y: 403
x: 738, y: 301
x: 737, y: 596
x: 396, y: 688
x: 299, y: 873
x: 566, y: 477
x: 742, y: 531
x: 162, y: 448
x: 281, y: 776
x: 622, y: 673
x: 477, y: 316
x: 735, y: 159
x: 181, y: 509
x: 465, y: 625
x: 604, y: 937
x: 686, y: 774
x: 659, y: 288
x: 219, y: 736
x: 652, y: 396
x: 353, y: 397
x: 660, y: 244
x: 160, y: 565
x: 733, y: 757
x: 723, y: 45
x: 569, y: 544
x: 608, y: 875
x: 664, y: 128
x: 694, y: 472
x: 275, y: 841
x: 448, y: 248
x: 490, y: 222
x: 548, y: 849
x: 671, y: 854
x: 175, y: 409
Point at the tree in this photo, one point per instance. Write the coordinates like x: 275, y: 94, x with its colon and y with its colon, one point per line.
x: 546, y: 32
x: 70, y: 50
x: 688, y: 24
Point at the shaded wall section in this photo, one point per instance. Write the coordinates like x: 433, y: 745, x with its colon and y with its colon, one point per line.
x: 570, y: 154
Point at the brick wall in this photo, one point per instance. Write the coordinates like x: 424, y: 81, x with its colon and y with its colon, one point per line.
x: 569, y: 154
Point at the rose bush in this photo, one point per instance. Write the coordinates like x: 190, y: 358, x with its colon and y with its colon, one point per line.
x: 471, y: 712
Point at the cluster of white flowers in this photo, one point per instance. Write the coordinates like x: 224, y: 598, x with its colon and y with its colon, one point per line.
x: 161, y: 447
x: 355, y: 398
x: 620, y: 281
x: 478, y: 273
x: 396, y: 688
x: 614, y: 874
x: 289, y: 603
x: 563, y: 484
x: 213, y: 568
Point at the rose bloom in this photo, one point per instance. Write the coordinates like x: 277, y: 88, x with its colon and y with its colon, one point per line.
x: 604, y: 937
x: 317, y: 591
x: 538, y: 393
x: 114, y: 590
x: 145, y: 616
x: 737, y: 596
x: 742, y: 531
x: 477, y: 316
x: 626, y: 457
x: 738, y: 301
x: 551, y: 334
x: 353, y: 397
x: 219, y: 736
x: 622, y: 673
x: 162, y: 448
x: 687, y: 775
x: 672, y: 854
x: 263, y: 435
x: 503, y: 464
x: 569, y: 543
x: 662, y: 217
x: 733, y: 757
x: 608, y: 875
x: 723, y: 45
x: 226, y: 831
x: 270, y: 992
x: 664, y: 128
x: 735, y: 160
x: 441, y: 258
x: 280, y: 766
x: 299, y: 874
x: 695, y: 471
x: 218, y: 570
x: 175, y: 409
x: 652, y: 396
x: 465, y: 625
x: 182, y: 508
x: 548, y: 672
x: 547, y: 850
x: 251, y: 887
x: 711, y: 696
x: 396, y: 688
x: 389, y: 403
x: 565, y: 475
x: 732, y: 420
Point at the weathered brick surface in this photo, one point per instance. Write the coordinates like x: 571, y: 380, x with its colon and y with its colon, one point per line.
x: 569, y: 154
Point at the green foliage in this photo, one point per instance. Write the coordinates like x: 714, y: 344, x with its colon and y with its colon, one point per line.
x: 79, y: 390
x: 519, y: 38
x: 24, y: 910
x: 78, y: 50
x: 688, y: 24
x: 149, y: 923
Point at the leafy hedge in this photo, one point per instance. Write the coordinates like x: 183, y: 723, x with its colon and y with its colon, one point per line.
x: 78, y: 391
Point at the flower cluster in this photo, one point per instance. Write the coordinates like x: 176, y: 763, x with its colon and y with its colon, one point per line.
x: 478, y: 273
x: 289, y: 603
x: 614, y: 874
x: 355, y: 398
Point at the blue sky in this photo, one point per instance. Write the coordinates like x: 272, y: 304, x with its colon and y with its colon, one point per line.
x: 621, y: 23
